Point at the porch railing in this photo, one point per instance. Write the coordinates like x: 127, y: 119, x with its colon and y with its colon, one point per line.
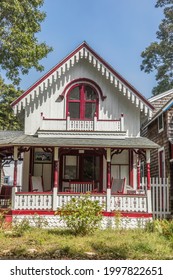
x: 62, y: 199
x: 44, y: 201
x: 32, y: 201
x: 129, y: 203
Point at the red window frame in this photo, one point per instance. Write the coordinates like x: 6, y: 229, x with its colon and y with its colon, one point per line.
x: 82, y: 101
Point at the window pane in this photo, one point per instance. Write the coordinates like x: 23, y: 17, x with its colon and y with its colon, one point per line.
x: 91, y: 168
x: 74, y: 109
x: 90, y: 93
x: 88, y: 168
x: 160, y: 121
x: 70, y: 168
x: 90, y: 109
x: 75, y: 94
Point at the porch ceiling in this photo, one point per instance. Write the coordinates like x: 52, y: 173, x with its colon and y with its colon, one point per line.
x: 29, y: 140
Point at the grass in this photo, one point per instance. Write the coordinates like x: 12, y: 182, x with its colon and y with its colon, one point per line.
x: 109, y: 244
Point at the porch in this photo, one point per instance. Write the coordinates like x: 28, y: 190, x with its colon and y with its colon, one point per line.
x: 50, y: 201
x: 70, y: 167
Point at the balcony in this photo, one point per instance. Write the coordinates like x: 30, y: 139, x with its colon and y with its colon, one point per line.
x: 50, y: 124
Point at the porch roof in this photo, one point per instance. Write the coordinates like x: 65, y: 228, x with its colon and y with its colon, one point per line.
x: 20, y: 139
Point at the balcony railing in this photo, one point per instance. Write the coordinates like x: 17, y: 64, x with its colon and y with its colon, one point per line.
x: 82, y: 125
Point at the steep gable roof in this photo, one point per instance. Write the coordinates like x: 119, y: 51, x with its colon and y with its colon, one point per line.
x: 84, y: 51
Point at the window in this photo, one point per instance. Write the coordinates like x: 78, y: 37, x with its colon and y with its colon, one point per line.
x: 6, y: 180
x: 81, y: 167
x: 70, y: 171
x: 161, y: 158
x: 82, y: 102
x: 160, y: 123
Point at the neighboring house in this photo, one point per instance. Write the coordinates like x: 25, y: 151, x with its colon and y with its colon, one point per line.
x: 160, y: 130
x: 82, y: 133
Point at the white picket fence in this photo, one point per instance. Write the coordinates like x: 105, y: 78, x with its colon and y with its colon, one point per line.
x: 160, y: 188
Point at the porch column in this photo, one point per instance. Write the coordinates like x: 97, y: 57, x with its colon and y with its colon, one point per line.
x: 56, y: 177
x: 138, y: 174
x: 148, y: 168
x: 131, y: 168
x: 108, y: 200
x: 148, y: 181
x: 14, y: 189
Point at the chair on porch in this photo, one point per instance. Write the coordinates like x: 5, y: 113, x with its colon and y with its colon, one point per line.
x: 36, y: 183
x: 118, y: 185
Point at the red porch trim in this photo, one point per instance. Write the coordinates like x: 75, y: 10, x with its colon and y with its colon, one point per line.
x: 15, y: 174
x: 138, y: 175
x: 105, y: 214
x: 128, y: 214
x: 108, y: 175
x: 34, y: 193
x: 33, y: 212
x: 56, y: 175
x: 131, y: 168
x: 148, y: 177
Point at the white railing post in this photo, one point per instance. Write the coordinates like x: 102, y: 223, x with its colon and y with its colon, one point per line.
x: 95, y: 122
x: 13, y: 197
x: 122, y: 122
x: 108, y: 200
x: 68, y: 121
x: 54, y: 199
x: 149, y: 201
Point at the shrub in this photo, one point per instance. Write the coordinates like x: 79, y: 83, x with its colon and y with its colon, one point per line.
x: 163, y: 227
x: 20, y: 227
x: 81, y: 215
x: 2, y: 218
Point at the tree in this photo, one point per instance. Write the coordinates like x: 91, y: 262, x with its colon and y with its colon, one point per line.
x: 19, y: 47
x: 159, y: 55
x: 7, y: 95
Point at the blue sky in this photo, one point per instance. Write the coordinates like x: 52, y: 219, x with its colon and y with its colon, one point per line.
x: 118, y: 30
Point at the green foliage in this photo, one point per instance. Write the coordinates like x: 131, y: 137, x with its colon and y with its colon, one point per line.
x: 19, y: 228
x: 82, y: 215
x: 159, y: 55
x: 118, y: 220
x: 163, y: 227
x: 20, y: 50
x: 8, y: 94
x: 102, y: 244
x: 39, y: 221
x: 2, y: 218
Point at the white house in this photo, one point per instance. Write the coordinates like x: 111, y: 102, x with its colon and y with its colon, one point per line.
x: 82, y: 133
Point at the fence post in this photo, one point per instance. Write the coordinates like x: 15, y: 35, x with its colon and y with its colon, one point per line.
x: 108, y: 200
x: 13, y: 193
x: 149, y: 201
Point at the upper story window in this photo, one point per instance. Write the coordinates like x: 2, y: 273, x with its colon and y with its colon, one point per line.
x: 82, y: 102
x: 160, y: 123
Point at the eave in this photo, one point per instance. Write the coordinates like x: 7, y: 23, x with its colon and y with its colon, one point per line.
x: 84, y: 52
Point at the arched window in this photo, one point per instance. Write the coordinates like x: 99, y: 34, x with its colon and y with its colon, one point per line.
x: 82, y: 102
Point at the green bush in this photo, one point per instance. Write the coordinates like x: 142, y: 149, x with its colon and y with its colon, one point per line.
x: 81, y: 215
x: 20, y: 227
x: 163, y: 227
